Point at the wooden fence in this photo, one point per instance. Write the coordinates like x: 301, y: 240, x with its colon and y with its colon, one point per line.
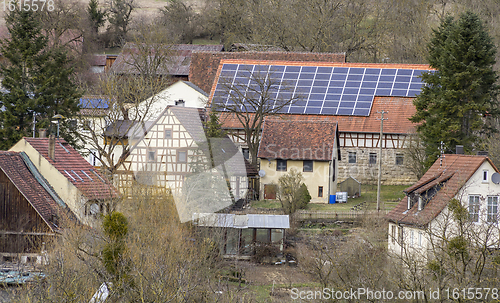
x: 302, y: 215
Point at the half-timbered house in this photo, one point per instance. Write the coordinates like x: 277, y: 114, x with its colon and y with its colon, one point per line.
x: 351, y: 94
x: 175, y: 154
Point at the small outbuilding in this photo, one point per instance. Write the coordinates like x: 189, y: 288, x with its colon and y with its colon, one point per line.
x: 351, y: 186
x: 241, y: 233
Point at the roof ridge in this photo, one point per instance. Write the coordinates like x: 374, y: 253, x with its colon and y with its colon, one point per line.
x: 327, y: 63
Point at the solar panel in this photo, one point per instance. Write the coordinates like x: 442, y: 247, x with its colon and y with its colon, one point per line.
x: 93, y: 103
x: 316, y: 89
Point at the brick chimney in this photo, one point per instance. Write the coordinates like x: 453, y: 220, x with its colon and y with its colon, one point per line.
x: 52, y: 147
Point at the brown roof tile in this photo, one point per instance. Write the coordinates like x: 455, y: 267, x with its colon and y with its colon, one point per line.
x: 298, y: 140
x: 399, y: 108
x: 71, y: 164
x: 12, y: 164
x: 453, y: 174
x: 179, y: 60
x: 204, y: 65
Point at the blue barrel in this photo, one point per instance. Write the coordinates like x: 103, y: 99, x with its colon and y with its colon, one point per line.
x: 332, y: 199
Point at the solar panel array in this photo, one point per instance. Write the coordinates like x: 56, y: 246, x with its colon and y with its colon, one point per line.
x: 93, y: 103
x: 315, y: 89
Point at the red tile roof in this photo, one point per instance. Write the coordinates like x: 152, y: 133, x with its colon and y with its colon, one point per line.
x: 14, y: 167
x: 76, y: 169
x: 453, y: 174
x: 399, y: 108
x: 287, y: 140
x: 204, y: 65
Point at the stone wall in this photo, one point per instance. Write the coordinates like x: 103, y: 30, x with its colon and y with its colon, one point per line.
x: 366, y: 173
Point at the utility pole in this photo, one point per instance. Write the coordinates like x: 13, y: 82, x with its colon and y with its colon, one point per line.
x: 34, y: 124
x: 380, y: 155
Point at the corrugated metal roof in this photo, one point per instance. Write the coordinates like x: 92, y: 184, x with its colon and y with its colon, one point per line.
x: 268, y: 221
x: 242, y: 221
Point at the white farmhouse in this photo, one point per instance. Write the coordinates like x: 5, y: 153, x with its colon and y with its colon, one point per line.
x: 423, y: 218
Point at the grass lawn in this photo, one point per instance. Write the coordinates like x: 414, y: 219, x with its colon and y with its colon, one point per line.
x: 390, y: 196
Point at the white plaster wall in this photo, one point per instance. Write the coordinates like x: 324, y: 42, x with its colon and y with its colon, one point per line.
x: 62, y: 186
x: 168, y: 96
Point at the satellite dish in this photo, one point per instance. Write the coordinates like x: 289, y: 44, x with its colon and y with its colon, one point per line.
x: 262, y: 173
x: 495, y: 178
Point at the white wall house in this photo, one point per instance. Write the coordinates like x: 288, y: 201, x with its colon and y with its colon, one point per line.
x: 181, y: 93
x: 423, y: 217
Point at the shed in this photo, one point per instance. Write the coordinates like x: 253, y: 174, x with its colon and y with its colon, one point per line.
x: 351, y: 186
x: 241, y: 233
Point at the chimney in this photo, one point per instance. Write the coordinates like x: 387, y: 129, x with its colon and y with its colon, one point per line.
x: 52, y: 147
x: 42, y: 133
x: 459, y: 149
x: 420, y: 202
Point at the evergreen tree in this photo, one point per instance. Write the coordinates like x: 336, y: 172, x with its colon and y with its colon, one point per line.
x: 36, y: 80
x: 460, y: 96
x: 97, y: 17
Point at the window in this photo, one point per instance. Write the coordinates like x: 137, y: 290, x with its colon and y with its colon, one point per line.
x: 320, y: 191
x: 419, y: 238
x: 399, y: 159
x: 474, y: 208
x: 352, y: 157
x: 411, y: 238
x: 307, y: 166
x: 372, y: 159
x: 93, y: 158
x: 485, y: 176
x: 262, y: 235
x: 246, y: 153
x: 182, y: 156
x: 276, y: 235
x: 168, y: 134
x: 151, y: 156
x: 280, y: 165
x: 492, y: 209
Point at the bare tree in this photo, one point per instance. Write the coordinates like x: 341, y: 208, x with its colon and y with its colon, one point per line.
x: 165, y: 261
x: 109, y: 133
x: 181, y: 20
x: 119, y: 17
x: 414, y: 155
x: 252, y: 100
x: 130, y: 94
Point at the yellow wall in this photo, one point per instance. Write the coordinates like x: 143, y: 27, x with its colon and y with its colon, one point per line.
x: 62, y: 186
x: 318, y: 177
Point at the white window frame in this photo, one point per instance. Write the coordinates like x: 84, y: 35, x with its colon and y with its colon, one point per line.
x: 476, y: 203
x: 485, y: 176
x: 492, y: 216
